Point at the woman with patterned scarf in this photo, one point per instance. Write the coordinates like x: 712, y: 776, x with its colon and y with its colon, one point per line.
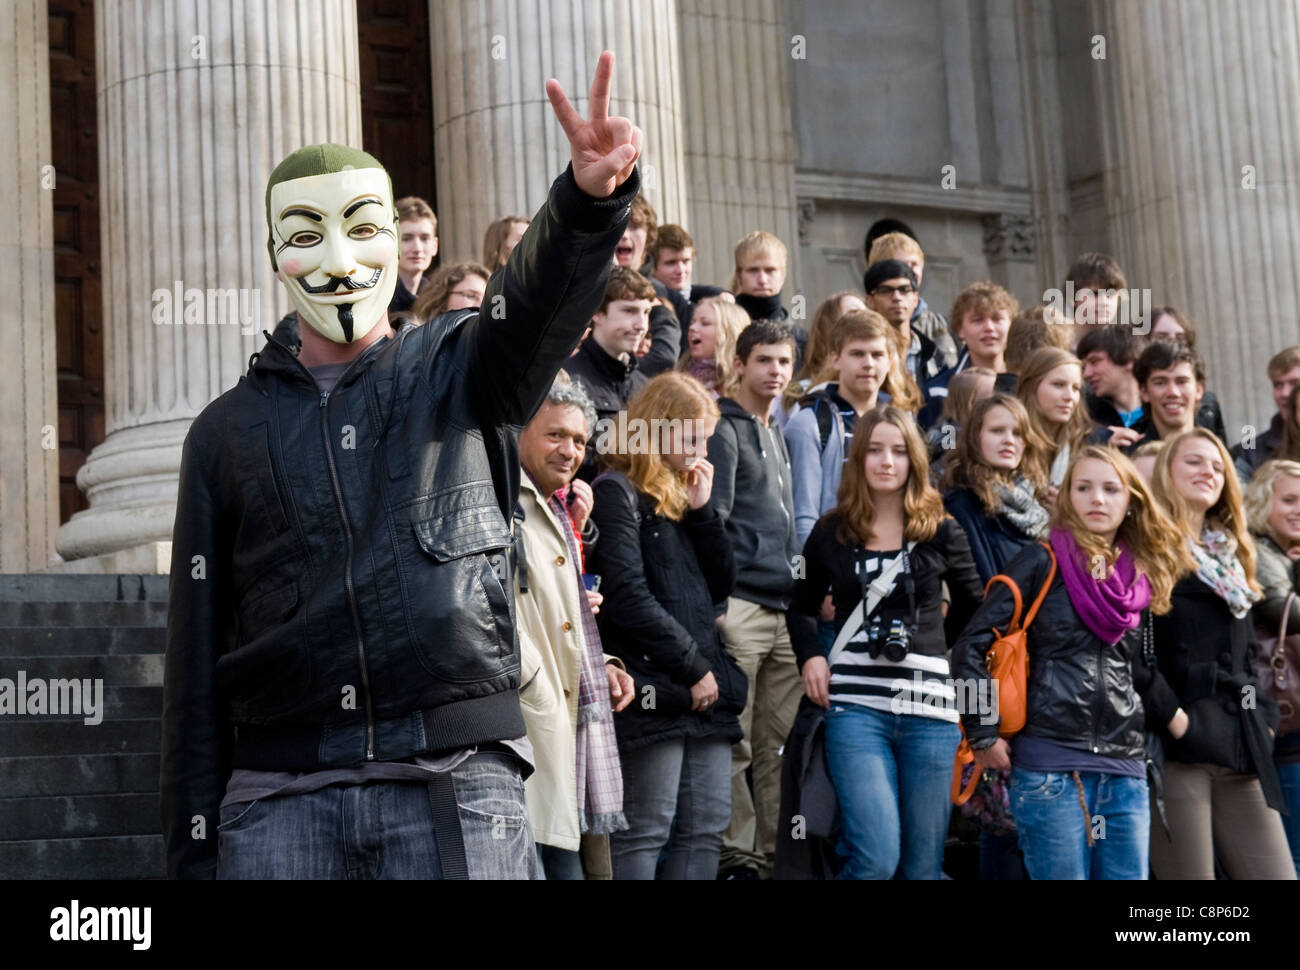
x: 986, y: 490
x: 1222, y: 791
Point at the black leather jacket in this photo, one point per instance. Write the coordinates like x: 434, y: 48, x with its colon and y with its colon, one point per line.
x: 1083, y: 692
x: 341, y: 567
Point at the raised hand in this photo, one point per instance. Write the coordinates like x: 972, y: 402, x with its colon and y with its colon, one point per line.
x: 604, y: 149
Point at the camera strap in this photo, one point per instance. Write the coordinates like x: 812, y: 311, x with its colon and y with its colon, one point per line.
x: 875, y: 591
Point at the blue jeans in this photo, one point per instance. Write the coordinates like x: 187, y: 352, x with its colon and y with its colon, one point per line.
x: 560, y: 864
x: 1289, y: 775
x: 1054, y: 832
x: 892, y: 774
x: 381, y: 830
x: 677, y: 794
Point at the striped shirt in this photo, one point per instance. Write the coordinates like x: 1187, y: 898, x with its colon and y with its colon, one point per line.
x: 917, y: 684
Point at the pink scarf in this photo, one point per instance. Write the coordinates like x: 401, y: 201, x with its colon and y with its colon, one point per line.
x: 1109, y: 607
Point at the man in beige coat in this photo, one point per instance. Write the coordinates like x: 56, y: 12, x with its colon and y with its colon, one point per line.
x: 569, y: 688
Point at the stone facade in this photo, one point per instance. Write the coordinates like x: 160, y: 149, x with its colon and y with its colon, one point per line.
x: 1011, y: 135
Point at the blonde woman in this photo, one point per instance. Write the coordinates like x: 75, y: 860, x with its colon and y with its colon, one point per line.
x: 665, y: 560
x: 1222, y: 791
x: 711, y: 344
x: 1273, y: 511
x: 1113, y: 554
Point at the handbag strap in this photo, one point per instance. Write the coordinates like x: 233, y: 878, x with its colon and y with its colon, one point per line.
x: 1042, y: 593
x: 1286, y: 615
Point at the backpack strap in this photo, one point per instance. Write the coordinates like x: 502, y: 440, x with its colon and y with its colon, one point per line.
x: 625, y: 485
x: 825, y: 420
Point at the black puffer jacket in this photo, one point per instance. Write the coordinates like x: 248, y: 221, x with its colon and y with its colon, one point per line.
x: 1084, y: 693
x: 660, y: 580
x: 355, y: 545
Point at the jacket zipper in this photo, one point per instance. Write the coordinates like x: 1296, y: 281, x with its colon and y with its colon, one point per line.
x: 1100, y: 697
x: 347, y: 576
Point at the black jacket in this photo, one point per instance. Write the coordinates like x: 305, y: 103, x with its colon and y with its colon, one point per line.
x: 610, y: 383
x: 1083, y: 693
x: 661, y: 581
x: 1248, y: 460
x: 1206, y: 656
x: 828, y: 564
x: 994, y: 541
x: 666, y: 334
x: 752, y: 493
x: 341, y: 562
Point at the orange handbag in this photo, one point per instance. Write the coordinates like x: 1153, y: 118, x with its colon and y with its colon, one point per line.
x: 1008, y: 664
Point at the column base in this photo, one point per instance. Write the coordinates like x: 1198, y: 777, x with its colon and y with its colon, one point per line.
x: 131, y: 481
x: 152, y: 558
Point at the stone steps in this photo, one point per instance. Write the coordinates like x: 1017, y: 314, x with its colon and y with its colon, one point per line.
x: 77, y: 800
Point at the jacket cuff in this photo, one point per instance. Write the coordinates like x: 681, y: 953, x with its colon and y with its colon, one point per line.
x: 1161, y: 703
x: 578, y: 210
x: 615, y: 661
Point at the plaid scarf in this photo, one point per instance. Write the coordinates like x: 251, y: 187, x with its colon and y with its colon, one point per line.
x: 600, y: 775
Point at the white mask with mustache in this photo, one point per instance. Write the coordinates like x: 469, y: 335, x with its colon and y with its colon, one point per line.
x: 336, y: 249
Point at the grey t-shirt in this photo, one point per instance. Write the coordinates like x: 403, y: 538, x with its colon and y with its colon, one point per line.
x: 327, y: 375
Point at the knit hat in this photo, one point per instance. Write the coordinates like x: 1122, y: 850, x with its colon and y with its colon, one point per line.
x: 317, y: 160
x: 886, y: 269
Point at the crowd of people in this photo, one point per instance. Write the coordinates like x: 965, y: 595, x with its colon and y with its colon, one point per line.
x: 761, y: 575
x: 796, y: 580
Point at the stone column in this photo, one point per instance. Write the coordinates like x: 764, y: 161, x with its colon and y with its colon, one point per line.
x: 1201, y: 101
x: 498, y: 146
x: 197, y: 103
x: 29, y: 476
x: 739, y: 132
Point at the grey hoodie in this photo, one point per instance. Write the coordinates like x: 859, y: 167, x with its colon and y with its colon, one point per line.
x: 751, y: 492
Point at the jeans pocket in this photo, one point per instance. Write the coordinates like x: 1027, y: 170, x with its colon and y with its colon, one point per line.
x: 1038, y: 784
x: 494, y: 818
x: 234, y: 815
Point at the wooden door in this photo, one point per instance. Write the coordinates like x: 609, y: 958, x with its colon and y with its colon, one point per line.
x: 78, y: 310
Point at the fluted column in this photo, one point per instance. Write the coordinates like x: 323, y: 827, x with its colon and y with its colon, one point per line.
x: 739, y: 135
x: 497, y: 144
x: 29, y: 477
x: 1202, y: 181
x: 197, y: 103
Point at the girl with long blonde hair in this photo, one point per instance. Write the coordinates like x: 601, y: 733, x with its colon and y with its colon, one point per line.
x: 711, y: 344
x: 1112, y: 559
x: 1222, y: 791
x: 665, y: 560
x: 885, y: 552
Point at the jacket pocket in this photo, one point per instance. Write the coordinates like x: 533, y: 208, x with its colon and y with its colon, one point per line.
x: 269, y: 672
x: 457, y: 587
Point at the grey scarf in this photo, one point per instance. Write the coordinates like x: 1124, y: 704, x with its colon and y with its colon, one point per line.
x: 1018, y: 504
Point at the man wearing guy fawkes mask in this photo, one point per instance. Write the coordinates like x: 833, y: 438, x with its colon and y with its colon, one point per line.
x: 341, y: 685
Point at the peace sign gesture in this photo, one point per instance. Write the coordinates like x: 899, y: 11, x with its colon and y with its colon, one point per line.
x: 604, y: 149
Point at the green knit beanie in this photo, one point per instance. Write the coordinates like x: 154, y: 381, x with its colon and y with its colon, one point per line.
x: 317, y: 160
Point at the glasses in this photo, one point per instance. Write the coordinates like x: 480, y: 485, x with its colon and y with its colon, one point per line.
x: 907, y: 289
